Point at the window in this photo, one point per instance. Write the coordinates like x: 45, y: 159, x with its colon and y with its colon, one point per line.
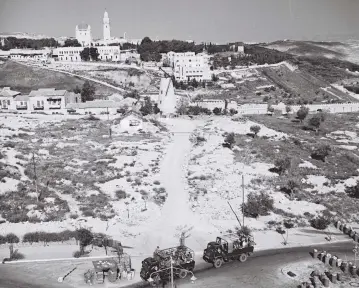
x: 8, y: 102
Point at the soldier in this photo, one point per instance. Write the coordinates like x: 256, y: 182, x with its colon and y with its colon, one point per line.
x: 155, y: 254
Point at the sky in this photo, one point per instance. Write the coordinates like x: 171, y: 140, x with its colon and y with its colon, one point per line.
x: 218, y: 21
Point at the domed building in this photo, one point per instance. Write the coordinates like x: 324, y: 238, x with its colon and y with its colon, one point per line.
x: 83, y: 34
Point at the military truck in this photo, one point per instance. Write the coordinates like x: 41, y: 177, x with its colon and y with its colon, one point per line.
x: 157, y: 268
x: 228, y: 247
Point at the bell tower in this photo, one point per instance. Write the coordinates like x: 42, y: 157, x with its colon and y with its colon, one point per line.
x: 106, y: 27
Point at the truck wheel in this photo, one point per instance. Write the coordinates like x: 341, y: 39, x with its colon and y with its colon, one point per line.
x: 217, y: 263
x: 243, y: 257
x: 182, y: 274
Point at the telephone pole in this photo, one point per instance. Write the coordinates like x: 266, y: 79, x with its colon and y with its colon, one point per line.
x: 35, y: 176
x: 243, y: 198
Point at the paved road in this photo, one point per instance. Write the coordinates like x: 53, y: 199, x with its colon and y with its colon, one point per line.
x: 260, y: 271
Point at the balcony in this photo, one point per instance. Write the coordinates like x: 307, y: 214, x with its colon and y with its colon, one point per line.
x: 36, y: 108
x: 21, y: 107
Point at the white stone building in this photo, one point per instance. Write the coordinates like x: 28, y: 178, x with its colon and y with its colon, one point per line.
x: 83, y: 34
x: 187, y: 66
x: 29, y: 54
x: 167, y: 100
x: 72, y: 54
x: 48, y: 99
x: 7, y: 99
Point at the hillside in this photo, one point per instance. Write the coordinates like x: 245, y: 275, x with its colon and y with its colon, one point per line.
x: 339, y: 50
x: 24, y: 79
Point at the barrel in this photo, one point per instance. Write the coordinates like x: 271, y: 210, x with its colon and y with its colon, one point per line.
x: 315, y: 253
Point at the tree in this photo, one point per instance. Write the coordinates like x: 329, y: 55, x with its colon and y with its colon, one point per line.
x: 85, y: 54
x: 243, y: 231
x: 291, y: 187
x: 156, y: 110
x: 315, y: 122
x: 85, y: 238
x: 94, y: 54
x: 132, y: 94
x: 353, y: 191
x: 321, y: 222
x: 72, y: 43
x: 288, y: 109
x: 258, y: 205
x: 230, y: 140
x: 214, y: 78
x: 217, y: 111
x: 282, y: 164
x: 288, y: 224
x: 233, y: 111
x: 194, y: 83
x: 88, y: 92
x: 302, y: 113
x: 147, y: 108
x: 182, y: 107
x: 255, y: 129
x: 321, y: 152
x: 77, y: 90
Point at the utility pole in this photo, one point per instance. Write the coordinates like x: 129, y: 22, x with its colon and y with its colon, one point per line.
x: 243, y: 198
x: 35, y: 176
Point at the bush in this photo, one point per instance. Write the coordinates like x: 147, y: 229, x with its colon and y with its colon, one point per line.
x: 121, y: 194
x: 258, y: 205
x: 255, y: 129
x: 282, y: 164
x: 302, y: 113
x: 321, y: 222
x: 321, y: 152
x: 233, y: 111
x: 77, y: 254
x: 17, y: 256
x: 12, y: 238
x: 243, y: 230
x: 230, y: 140
x: 35, y: 237
x: 2, y: 239
x: 353, y: 191
x: 217, y: 111
x: 85, y: 237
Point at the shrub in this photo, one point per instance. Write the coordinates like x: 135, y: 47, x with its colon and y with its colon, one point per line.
x: 255, y: 129
x: 258, y: 205
x: 315, y: 121
x: 85, y: 237
x: 353, y: 191
x: 233, y: 111
x: 121, y: 194
x: 74, y: 216
x: 156, y: 182
x: 320, y: 222
x: 217, y: 111
x: 243, y: 230
x: 282, y: 164
x: 12, y: 238
x: 321, y: 152
x: 288, y: 109
x: 17, y: 256
x: 9, y: 145
x: 77, y: 254
x: 2, y: 239
x: 302, y: 113
x: 230, y: 140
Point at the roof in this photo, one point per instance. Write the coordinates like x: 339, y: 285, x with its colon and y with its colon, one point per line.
x: 93, y: 104
x: 128, y: 101
x: 47, y: 92
x: 83, y: 26
x: 6, y: 92
x: 131, y: 112
x: 21, y: 98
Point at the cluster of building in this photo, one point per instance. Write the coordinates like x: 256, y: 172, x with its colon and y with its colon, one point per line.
x: 48, y: 99
x: 187, y: 66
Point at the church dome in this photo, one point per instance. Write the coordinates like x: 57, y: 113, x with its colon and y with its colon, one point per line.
x: 83, y: 26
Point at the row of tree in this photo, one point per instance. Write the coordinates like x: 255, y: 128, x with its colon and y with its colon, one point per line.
x: 25, y: 43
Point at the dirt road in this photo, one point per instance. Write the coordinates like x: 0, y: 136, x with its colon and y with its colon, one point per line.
x: 176, y: 212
